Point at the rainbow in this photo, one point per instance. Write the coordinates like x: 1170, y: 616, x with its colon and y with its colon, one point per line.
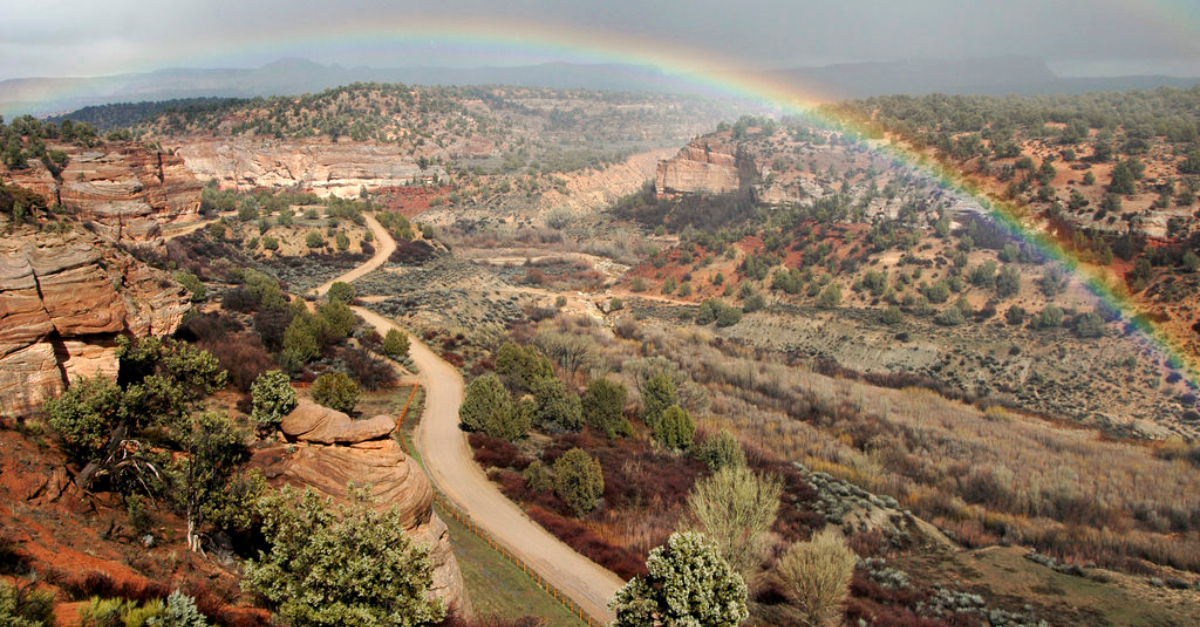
x: 511, y: 42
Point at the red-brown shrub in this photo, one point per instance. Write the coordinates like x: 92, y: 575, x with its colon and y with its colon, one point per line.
x: 243, y: 355
x: 496, y: 453
x: 625, y: 563
x: 101, y: 585
x: 369, y: 371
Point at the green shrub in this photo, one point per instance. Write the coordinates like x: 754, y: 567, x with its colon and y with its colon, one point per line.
x: 1015, y: 315
x: 519, y: 366
x: 558, y: 409
x: 346, y: 565
x: 337, y: 391
x: 180, y: 611
x: 105, y: 612
x: 314, y: 240
x: 675, y: 429
x: 338, y: 318
x: 1051, y: 316
x: 301, y: 340
x: 752, y: 303
x: 396, y: 344
x: 657, y: 395
x: 25, y: 606
x: 689, y: 583
x: 149, y: 614
x: 720, y: 450
x: 603, y: 407
x: 537, y: 478
x: 950, y: 317
x: 1008, y: 282
x: 488, y: 408
x: 578, y: 481
x: 341, y: 292
x: 830, y: 297
x: 1089, y: 325
x: 272, y: 397
x: 193, y: 284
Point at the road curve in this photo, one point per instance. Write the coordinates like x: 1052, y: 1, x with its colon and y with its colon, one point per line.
x: 387, y: 246
x: 452, y: 469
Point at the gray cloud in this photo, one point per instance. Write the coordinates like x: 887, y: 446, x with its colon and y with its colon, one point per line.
x: 85, y: 37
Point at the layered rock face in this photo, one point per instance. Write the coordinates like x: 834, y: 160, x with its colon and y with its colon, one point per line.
x: 126, y: 190
x: 63, y: 301
x: 330, y: 450
x: 704, y: 166
x: 340, y: 169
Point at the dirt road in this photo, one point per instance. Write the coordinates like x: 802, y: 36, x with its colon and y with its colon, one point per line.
x: 387, y: 246
x: 452, y: 468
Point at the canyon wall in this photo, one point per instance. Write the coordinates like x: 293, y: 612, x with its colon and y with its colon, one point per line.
x: 325, y: 168
x: 64, y: 299
x: 127, y: 191
x: 703, y: 166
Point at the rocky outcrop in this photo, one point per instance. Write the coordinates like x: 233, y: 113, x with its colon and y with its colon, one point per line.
x: 64, y: 299
x: 340, y: 169
x: 313, y: 423
x: 366, y: 454
x: 127, y: 191
x: 703, y: 166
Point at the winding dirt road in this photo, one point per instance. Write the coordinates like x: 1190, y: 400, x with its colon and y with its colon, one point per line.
x: 452, y: 469
x: 387, y: 246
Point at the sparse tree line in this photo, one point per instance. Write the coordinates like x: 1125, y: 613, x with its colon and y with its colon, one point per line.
x: 25, y: 138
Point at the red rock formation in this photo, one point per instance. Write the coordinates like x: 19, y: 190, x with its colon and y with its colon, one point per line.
x: 125, y: 189
x: 704, y: 166
x: 63, y: 301
x: 340, y: 169
x: 369, y: 455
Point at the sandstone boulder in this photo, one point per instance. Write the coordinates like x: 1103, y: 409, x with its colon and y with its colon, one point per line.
x: 395, y: 480
x: 310, y: 422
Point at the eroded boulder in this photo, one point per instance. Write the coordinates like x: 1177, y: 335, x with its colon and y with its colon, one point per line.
x: 310, y: 422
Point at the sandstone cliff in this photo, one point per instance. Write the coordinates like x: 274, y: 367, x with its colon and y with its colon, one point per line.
x: 123, y: 188
x: 703, y: 166
x: 367, y: 454
x: 64, y: 298
x: 340, y: 169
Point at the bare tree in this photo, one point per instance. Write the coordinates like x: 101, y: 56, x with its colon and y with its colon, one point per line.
x: 815, y: 577
x: 735, y: 508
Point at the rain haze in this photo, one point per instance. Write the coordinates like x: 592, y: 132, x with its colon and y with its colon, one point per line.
x: 76, y: 38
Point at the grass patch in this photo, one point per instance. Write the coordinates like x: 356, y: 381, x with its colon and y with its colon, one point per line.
x: 496, y: 586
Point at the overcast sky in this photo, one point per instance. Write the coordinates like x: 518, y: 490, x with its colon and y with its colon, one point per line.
x: 1080, y: 37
